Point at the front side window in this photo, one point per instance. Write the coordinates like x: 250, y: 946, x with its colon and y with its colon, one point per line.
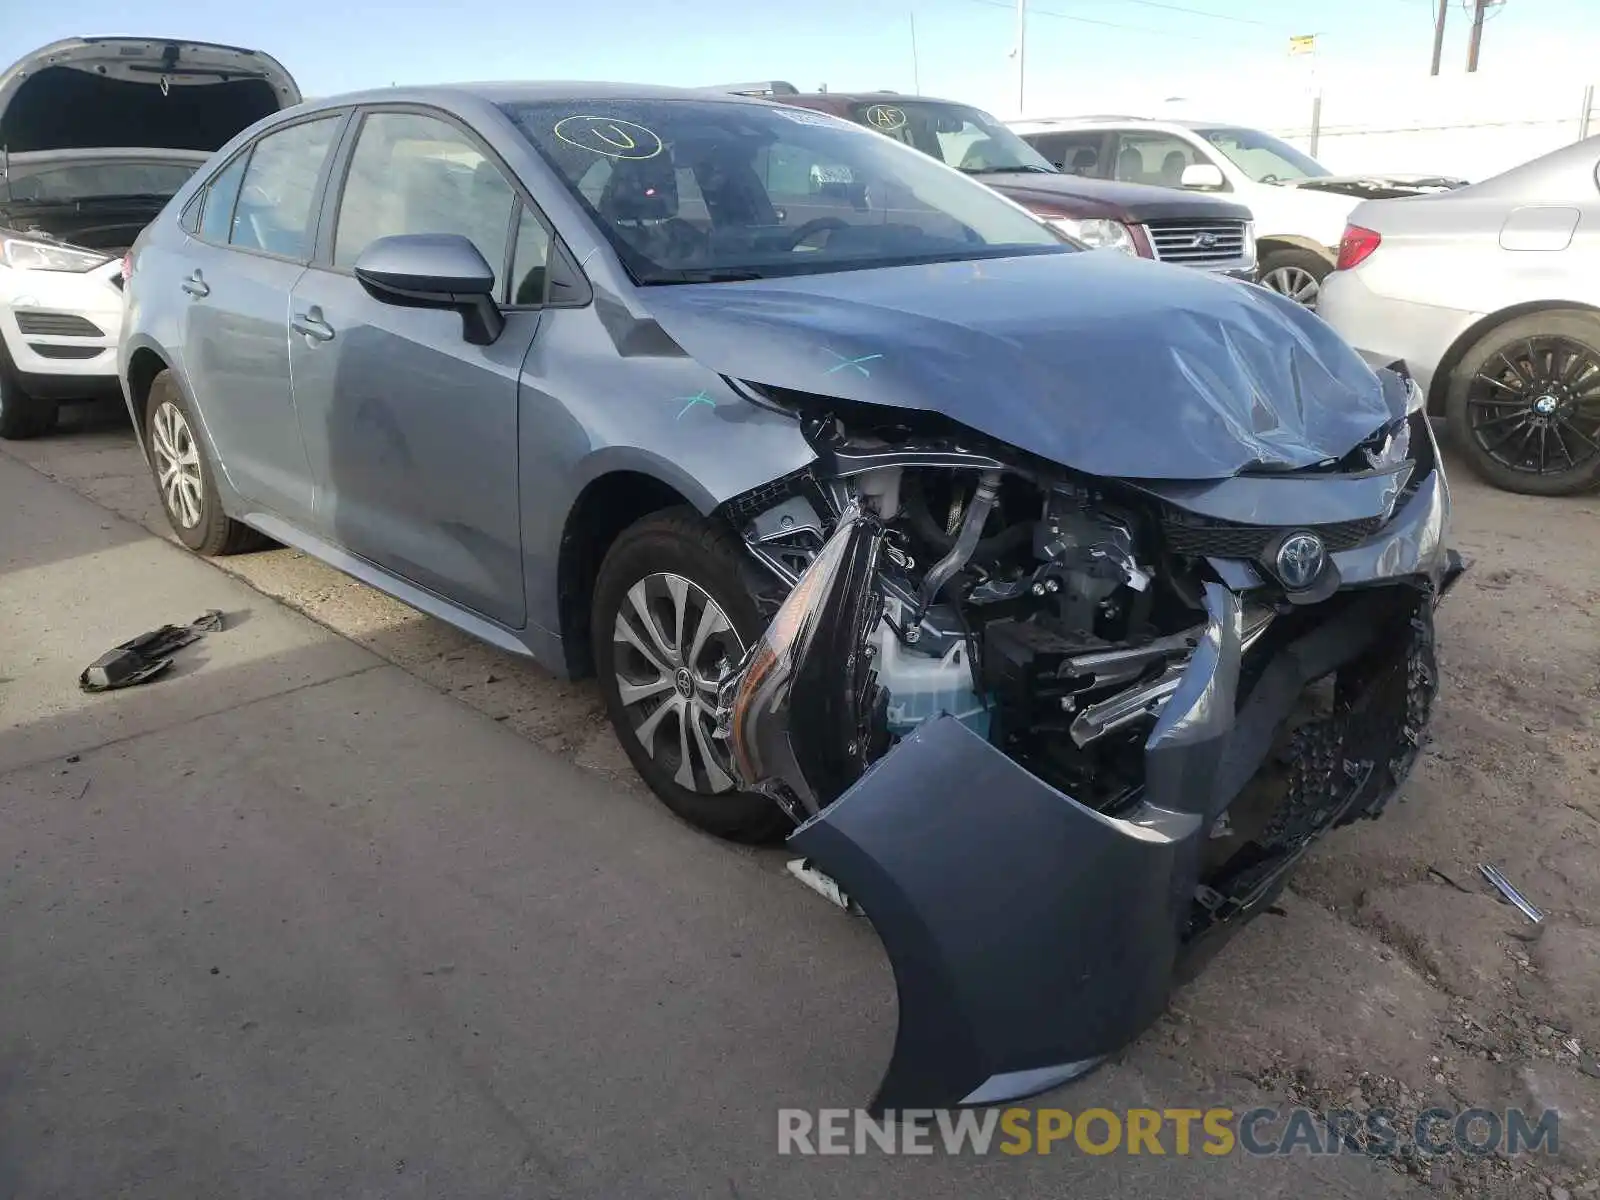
x: 1158, y: 159
x: 1262, y: 157
x: 412, y: 173
x: 280, y: 184
x: 776, y: 191
x: 216, y: 212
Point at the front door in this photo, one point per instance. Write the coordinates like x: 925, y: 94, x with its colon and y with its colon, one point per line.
x: 411, y: 430
x: 249, y: 249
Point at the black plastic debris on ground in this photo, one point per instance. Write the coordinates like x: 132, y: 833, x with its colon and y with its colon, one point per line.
x: 146, y: 656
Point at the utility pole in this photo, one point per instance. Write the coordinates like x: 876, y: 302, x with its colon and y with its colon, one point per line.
x: 1022, y: 37
x: 1479, y: 7
x: 1438, y: 35
x: 916, y: 70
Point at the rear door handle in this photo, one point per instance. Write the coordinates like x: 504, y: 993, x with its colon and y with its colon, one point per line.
x: 312, y: 325
x: 196, y: 285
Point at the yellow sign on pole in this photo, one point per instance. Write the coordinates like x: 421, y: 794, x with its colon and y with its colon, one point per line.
x: 1304, y: 44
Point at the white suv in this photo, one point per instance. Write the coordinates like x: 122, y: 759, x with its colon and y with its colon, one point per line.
x: 1298, y: 221
x: 96, y: 135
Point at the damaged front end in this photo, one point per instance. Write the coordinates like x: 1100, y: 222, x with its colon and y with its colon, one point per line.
x: 1059, y: 736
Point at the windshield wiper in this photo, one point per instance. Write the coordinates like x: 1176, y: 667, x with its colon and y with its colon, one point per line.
x: 705, y: 275
x: 1021, y: 168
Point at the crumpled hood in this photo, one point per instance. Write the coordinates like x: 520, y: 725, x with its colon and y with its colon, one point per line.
x: 1108, y: 364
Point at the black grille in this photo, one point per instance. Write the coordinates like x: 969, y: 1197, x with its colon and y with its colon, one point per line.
x: 46, y: 350
x: 49, y: 324
x: 1224, y: 539
x: 1197, y: 243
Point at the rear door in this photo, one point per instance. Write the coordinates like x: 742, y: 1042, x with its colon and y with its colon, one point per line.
x: 411, y: 430
x: 255, y: 231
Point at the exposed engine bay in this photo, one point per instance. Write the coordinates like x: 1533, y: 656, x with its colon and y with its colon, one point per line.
x: 971, y: 647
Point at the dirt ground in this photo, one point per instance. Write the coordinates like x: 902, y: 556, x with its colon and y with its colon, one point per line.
x: 1393, y: 977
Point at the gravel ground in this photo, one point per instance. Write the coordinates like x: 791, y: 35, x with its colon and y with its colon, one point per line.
x: 1393, y: 978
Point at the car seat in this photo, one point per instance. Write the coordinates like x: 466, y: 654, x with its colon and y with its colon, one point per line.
x: 1084, y: 160
x: 1172, y: 168
x: 1130, y: 165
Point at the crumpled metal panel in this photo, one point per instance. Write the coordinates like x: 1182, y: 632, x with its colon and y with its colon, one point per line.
x: 1111, y: 365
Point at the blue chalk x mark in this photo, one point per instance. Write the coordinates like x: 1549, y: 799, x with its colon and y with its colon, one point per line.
x: 851, y: 362
x: 698, y: 398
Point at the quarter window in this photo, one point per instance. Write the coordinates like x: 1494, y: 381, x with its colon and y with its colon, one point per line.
x: 530, y: 261
x: 412, y: 173
x: 280, y: 184
x: 216, y: 212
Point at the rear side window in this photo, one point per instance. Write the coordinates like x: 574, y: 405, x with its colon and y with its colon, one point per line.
x: 274, y: 209
x: 216, y: 209
x: 1075, y: 153
x: 412, y: 173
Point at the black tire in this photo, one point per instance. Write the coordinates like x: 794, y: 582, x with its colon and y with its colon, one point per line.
x: 1497, y: 383
x: 1284, y: 264
x: 22, y: 416
x: 212, y: 533
x: 678, y: 542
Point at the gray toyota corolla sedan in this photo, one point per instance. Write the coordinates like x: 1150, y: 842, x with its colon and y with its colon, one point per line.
x: 1050, y: 601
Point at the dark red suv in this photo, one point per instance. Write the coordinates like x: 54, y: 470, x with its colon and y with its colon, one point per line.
x: 1187, y: 228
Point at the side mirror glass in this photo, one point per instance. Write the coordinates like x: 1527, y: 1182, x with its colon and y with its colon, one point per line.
x: 434, y: 270
x: 1207, y: 176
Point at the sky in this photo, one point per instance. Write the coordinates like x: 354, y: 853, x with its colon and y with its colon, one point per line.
x: 1079, y: 53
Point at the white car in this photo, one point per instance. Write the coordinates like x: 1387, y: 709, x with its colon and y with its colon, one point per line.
x: 1300, y: 207
x: 96, y: 135
x: 1491, y: 296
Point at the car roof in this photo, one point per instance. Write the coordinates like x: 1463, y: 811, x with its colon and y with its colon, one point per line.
x: 1040, y: 124
x: 528, y: 92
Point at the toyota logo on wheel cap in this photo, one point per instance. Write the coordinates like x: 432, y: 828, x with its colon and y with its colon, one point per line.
x: 1300, y: 559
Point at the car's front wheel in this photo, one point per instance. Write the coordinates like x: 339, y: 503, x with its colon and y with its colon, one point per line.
x: 21, y: 415
x: 183, y: 476
x: 672, y: 618
x: 1524, y: 404
x: 1297, y: 274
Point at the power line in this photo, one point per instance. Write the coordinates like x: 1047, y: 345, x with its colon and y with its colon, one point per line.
x: 1010, y: 6
x: 1194, y: 12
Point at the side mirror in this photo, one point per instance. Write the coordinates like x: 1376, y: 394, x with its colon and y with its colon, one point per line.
x: 434, y: 270
x: 1207, y: 176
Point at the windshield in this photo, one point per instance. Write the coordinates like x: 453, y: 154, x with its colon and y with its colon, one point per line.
x: 958, y: 136
x: 1263, y: 157
x: 88, y: 181
x: 707, y: 190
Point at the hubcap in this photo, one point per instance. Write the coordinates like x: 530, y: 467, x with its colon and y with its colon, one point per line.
x: 177, y: 463
x: 1296, y: 283
x: 1535, y: 406
x: 673, y: 647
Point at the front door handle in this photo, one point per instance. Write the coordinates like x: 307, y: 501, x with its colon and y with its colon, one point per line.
x: 196, y: 285
x: 312, y: 325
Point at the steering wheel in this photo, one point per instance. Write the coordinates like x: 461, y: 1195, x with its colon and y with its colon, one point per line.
x: 813, y: 227
x: 1269, y: 178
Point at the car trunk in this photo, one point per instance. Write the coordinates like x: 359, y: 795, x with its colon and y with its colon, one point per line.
x: 124, y: 92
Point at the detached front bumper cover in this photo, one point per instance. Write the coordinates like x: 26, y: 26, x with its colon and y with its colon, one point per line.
x: 1031, y: 936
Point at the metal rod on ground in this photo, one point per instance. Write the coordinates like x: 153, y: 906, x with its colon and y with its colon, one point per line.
x: 1438, y: 35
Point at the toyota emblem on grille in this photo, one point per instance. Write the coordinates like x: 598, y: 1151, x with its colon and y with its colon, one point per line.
x: 1205, y: 241
x: 1300, y: 560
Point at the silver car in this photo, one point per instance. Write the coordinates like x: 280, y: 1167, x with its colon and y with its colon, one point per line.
x: 989, y: 570
x: 1491, y: 295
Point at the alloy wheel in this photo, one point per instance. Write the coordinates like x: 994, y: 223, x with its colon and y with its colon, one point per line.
x: 674, y: 646
x: 177, y: 465
x: 1535, y: 405
x: 1297, y: 283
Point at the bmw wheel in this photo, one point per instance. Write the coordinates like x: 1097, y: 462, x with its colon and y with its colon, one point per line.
x: 1524, y: 404
x: 183, y: 476
x: 671, y: 619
